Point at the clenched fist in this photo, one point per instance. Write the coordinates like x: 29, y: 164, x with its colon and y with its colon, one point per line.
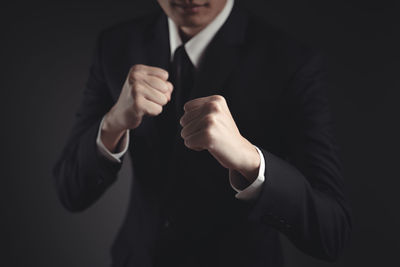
x: 145, y: 92
x: 208, y: 125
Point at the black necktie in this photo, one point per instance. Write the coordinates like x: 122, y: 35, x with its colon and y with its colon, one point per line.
x: 182, y: 77
x: 181, y: 72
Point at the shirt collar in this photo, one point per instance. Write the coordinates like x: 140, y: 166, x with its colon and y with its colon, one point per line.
x: 196, y: 46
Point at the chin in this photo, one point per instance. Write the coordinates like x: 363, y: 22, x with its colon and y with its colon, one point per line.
x: 190, y: 21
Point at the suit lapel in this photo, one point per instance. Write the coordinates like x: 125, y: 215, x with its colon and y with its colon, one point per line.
x: 156, y: 52
x: 220, y: 57
x: 156, y: 44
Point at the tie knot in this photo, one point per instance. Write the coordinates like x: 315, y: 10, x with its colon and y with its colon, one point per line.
x: 181, y: 57
x: 182, y: 77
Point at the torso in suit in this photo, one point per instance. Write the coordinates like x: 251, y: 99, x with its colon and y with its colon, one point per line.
x: 182, y: 210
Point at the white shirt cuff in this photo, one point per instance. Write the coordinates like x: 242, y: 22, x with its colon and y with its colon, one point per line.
x: 237, y: 182
x: 123, y: 146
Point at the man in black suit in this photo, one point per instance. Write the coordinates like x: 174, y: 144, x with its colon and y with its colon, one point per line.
x: 230, y: 136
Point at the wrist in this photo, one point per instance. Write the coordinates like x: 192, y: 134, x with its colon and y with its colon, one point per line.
x: 111, y: 133
x: 110, y: 123
x: 251, y: 162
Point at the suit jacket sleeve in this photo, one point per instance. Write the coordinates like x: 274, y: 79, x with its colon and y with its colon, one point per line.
x: 302, y: 195
x: 81, y: 173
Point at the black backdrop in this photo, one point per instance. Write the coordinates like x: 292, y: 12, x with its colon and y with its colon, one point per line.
x: 45, y: 54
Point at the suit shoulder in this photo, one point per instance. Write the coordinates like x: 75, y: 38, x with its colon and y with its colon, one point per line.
x: 279, y: 40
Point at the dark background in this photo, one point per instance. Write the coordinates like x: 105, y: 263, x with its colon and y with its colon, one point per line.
x: 45, y: 55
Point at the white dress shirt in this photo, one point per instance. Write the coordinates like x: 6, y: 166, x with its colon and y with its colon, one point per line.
x: 195, y: 48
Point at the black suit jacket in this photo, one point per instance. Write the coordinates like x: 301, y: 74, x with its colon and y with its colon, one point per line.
x: 182, y: 209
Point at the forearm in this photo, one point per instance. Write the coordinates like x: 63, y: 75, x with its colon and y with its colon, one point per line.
x: 249, y: 168
x: 314, y: 218
x: 246, y: 189
x: 82, y: 174
x: 111, y: 133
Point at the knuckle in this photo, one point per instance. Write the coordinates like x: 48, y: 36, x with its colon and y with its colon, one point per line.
x: 164, y: 99
x: 156, y: 110
x: 210, y: 120
x: 159, y: 109
x: 136, y: 75
x: 131, y: 80
x: 136, y: 67
x: 213, y: 106
x: 183, y: 133
x: 166, y: 87
x: 170, y: 86
x: 164, y: 73
x: 168, y: 96
x: 219, y: 98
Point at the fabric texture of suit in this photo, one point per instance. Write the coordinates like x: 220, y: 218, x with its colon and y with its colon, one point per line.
x: 182, y: 210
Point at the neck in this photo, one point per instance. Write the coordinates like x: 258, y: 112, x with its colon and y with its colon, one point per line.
x: 186, y: 33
